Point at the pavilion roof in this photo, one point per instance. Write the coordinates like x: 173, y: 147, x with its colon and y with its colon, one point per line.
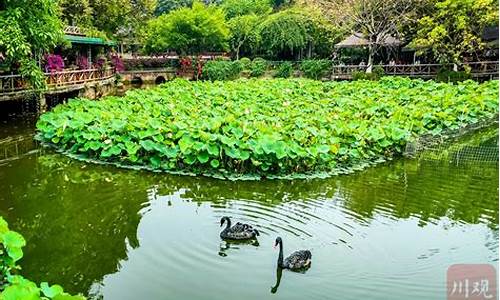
x: 76, y: 35
x: 76, y: 39
x: 358, y: 40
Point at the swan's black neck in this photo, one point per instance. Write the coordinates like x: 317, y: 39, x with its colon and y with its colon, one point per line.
x: 280, y: 256
x: 228, y: 223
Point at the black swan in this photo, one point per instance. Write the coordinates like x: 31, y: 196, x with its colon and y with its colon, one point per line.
x: 298, y: 260
x: 239, y: 231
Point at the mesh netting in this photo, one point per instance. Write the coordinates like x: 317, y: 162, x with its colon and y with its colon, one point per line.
x: 476, y: 144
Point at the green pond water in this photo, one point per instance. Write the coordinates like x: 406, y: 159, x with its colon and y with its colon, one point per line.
x: 388, y: 232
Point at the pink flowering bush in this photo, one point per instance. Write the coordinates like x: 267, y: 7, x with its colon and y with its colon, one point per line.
x: 101, y: 63
x: 117, y: 62
x: 82, y: 62
x: 53, y: 63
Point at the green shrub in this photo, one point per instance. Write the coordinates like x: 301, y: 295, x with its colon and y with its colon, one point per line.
x: 259, y: 67
x: 246, y: 63
x: 377, y: 73
x: 315, y: 68
x: 15, y: 286
x: 446, y: 75
x: 285, y: 70
x: 221, y: 70
x: 264, y: 127
x: 360, y: 75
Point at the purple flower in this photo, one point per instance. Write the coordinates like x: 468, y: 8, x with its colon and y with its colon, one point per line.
x: 82, y: 62
x: 53, y: 63
x: 117, y: 62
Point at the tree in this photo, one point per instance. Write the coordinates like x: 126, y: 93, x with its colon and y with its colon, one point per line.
x: 244, y: 33
x: 109, y: 15
x: 166, y: 6
x: 76, y: 12
x: 142, y: 12
x: 119, y: 19
x: 322, y: 33
x: 234, y: 8
x: 376, y: 20
x: 284, y: 32
x: 276, y: 4
x: 454, y: 28
x: 28, y: 28
x: 188, y: 30
x: 295, y: 31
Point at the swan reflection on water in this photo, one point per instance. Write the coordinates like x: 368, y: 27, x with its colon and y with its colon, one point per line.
x: 226, y: 245
x: 279, y: 272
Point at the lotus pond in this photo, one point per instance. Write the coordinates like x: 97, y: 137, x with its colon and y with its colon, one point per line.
x: 387, y: 232
x: 284, y: 128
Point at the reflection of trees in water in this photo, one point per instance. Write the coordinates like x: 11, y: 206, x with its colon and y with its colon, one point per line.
x: 79, y: 216
x: 428, y: 190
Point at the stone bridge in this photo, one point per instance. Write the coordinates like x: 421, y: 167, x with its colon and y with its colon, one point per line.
x: 155, y: 76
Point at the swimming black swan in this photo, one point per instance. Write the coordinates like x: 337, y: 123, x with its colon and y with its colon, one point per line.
x: 239, y: 231
x: 298, y: 260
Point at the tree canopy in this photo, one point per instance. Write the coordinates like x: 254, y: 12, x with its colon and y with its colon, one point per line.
x: 296, y: 30
x: 188, y: 30
x: 166, y: 6
x: 108, y: 18
x: 454, y: 29
x: 234, y: 8
x: 284, y: 32
x: 76, y: 12
x: 244, y: 33
x: 28, y: 28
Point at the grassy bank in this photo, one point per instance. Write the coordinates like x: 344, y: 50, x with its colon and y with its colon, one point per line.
x: 278, y: 127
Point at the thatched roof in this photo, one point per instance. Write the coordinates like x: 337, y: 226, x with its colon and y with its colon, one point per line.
x: 357, y: 40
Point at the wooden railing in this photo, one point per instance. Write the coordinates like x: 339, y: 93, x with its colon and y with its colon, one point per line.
x: 65, y: 78
x: 487, y: 67
x: 73, y: 30
x: 477, y: 69
x: 12, y: 83
x: 420, y: 70
x: 15, y: 147
x: 16, y: 83
x: 150, y: 71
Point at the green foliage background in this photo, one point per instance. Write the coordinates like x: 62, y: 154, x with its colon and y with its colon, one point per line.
x: 28, y: 28
x: 188, y: 30
x: 454, y: 28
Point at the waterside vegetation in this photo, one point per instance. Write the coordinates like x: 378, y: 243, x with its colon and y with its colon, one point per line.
x: 14, y: 286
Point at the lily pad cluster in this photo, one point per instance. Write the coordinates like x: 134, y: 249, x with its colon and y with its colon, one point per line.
x: 264, y: 127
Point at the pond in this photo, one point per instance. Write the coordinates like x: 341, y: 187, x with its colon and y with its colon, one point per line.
x: 389, y: 232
